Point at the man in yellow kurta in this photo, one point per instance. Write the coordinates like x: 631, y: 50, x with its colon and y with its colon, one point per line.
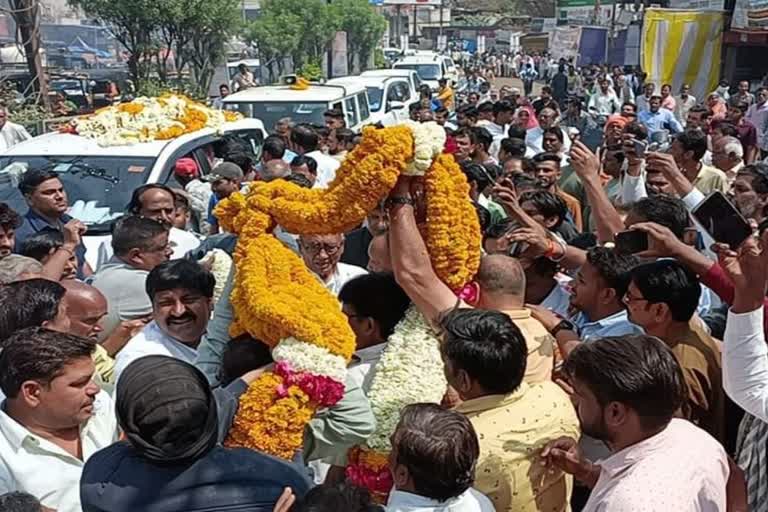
x: 445, y: 94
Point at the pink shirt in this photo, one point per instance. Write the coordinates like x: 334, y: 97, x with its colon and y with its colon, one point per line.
x: 669, y: 103
x: 681, y: 469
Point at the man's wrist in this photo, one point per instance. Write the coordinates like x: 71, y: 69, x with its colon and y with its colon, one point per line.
x: 746, y: 301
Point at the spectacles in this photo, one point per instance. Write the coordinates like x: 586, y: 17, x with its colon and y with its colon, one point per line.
x: 629, y: 298
x: 330, y: 249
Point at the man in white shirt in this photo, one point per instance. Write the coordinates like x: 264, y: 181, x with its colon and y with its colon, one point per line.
x: 433, y: 460
x: 157, y: 202
x: 684, y: 104
x: 321, y: 254
x: 55, y: 416
x: 604, y: 101
x: 305, y: 141
x: 534, y: 138
x: 10, y: 133
x: 181, y: 292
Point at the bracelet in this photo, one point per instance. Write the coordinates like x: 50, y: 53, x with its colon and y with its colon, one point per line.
x: 395, y: 200
x: 563, y: 248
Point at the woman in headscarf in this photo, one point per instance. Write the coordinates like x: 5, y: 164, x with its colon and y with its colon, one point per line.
x: 525, y: 116
x: 172, y: 460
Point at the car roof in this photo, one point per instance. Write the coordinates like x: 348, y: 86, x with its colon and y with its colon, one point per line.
x: 403, y: 73
x: 419, y: 59
x: 58, y: 144
x: 284, y: 93
x: 365, y: 81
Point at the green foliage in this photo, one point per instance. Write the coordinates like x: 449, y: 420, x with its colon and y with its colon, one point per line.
x: 26, y: 113
x: 311, y: 70
x: 379, y: 60
x: 363, y: 25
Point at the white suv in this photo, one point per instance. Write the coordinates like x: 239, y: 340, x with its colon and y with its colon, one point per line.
x: 388, y: 96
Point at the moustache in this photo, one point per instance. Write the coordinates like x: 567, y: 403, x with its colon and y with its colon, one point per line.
x: 189, y: 317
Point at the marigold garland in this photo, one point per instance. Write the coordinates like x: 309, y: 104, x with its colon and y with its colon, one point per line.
x: 275, y: 298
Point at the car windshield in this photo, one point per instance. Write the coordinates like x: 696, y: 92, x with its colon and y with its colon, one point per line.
x: 98, y: 187
x: 374, y: 98
x: 271, y: 113
x: 425, y: 71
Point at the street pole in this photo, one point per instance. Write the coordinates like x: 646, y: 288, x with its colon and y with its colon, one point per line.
x: 330, y: 53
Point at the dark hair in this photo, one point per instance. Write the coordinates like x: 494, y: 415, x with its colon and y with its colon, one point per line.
x: 499, y: 229
x: 726, y: 128
x: 274, y: 146
x: 376, y: 296
x: 134, y: 205
x: 668, y: 282
x: 629, y: 104
x: 556, y: 131
x: 467, y: 110
x: 486, y: 106
x: 547, y: 204
x: 242, y: 355
x: 516, y: 132
x: 305, y: 137
x: 615, y: 268
x: 666, y: 211
x: 701, y: 109
x: 39, y: 354
x: 232, y: 148
x: 28, y: 303
x: 344, y: 135
x: 39, y: 245
x: 743, y: 106
x: 299, y: 179
x: 331, y: 498
x: 481, y: 136
x: 514, y: 147
x: 134, y: 232
x: 694, y: 140
x: 33, y: 178
x: 503, y: 106
x: 310, y: 162
x: 637, y: 129
x: 546, y: 89
x: 483, y: 216
x: 476, y: 173
x: 759, y: 173
x: 441, y: 111
x: 637, y: 370
x: 522, y: 180
x: 19, y: 502
x: 440, y: 449
x: 487, y: 345
x: 182, y: 273
x: 9, y: 219
x: 546, y: 157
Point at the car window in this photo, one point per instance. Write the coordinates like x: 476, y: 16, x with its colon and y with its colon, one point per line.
x: 351, y: 112
x: 365, y: 111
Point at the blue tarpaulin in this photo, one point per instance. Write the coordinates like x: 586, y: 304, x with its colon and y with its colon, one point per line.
x: 80, y: 46
x: 593, y: 45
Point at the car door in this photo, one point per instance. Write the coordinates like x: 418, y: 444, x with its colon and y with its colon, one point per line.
x: 351, y: 113
x: 364, y: 107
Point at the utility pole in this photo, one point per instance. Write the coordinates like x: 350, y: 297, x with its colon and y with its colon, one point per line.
x: 26, y: 15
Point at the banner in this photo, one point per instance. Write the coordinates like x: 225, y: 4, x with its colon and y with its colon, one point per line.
x: 682, y: 47
x: 750, y: 14
x: 564, y: 42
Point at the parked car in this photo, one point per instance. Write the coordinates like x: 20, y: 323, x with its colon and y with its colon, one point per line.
x: 100, y: 180
x: 388, y: 96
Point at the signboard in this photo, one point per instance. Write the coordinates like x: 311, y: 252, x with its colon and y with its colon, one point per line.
x: 564, y: 42
x: 699, y: 5
x: 750, y: 14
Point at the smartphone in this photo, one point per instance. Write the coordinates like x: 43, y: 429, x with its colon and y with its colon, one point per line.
x: 631, y: 241
x: 640, y: 146
x: 722, y: 220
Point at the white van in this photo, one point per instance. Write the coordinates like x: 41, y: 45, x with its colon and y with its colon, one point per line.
x: 388, y: 96
x: 272, y: 103
x: 430, y: 68
x: 409, y: 74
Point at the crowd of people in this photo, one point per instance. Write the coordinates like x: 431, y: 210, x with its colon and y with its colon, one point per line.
x: 580, y: 376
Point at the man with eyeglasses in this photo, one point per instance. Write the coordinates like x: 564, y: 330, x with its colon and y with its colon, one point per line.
x: 662, y: 298
x: 321, y: 254
x: 139, y: 244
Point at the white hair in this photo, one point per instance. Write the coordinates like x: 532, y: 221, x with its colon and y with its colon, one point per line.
x: 733, y: 146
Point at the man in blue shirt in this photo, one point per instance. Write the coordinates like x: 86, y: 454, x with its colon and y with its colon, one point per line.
x: 657, y: 118
x: 47, y: 201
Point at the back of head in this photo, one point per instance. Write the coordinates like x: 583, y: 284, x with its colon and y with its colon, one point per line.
x: 182, y: 273
x: 9, y: 218
x: 668, y: 282
x: 14, y: 266
x: 732, y: 147
x: 36, y: 353
x: 514, y: 147
x: 666, y: 211
x: 132, y: 232
x: 615, y: 268
x: 501, y: 274
x: 167, y: 410
x: 305, y: 137
x: 40, y: 245
x: 19, y: 502
x: 334, y: 498
x: 377, y: 296
x: 636, y: 370
x: 476, y: 173
x: 242, y: 355
x: 439, y: 449
x: 275, y: 169
x: 486, y: 345
x: 274, y: 146
x: 28, y: 303
x: 694, y: 140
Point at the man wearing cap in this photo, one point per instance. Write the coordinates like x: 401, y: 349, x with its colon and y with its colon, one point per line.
x: 187, y: 175
x: 225, y: 179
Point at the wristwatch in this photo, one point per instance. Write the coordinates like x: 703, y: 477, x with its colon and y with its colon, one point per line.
x: 565, y: 325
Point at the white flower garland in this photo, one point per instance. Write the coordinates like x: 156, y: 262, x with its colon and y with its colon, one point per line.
x: 428, y: 142
x: 410, y: 371
x: 305, y: 357
x: 220, y: 264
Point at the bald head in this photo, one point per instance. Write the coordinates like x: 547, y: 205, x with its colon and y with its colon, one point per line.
x: 275, y: 169
x: 501, y: 275
x: 86, y: 306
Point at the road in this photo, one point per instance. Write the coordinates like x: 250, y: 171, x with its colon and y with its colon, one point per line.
x: 498, y: 83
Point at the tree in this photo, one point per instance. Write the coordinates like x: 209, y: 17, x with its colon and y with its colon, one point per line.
x: 364, y: 28
x: 277, y: 35
x: 26, y: 15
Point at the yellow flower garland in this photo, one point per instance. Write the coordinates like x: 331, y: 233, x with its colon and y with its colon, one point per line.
x: 275, y: 296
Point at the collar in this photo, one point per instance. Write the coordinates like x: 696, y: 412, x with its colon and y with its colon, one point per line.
x: 488, y: 402
x: 38, y: 222
x: 618, y: 317
x: 153, y: 332
x: 517, y: 314
x: 619, y: 461
x: 369, y: 354
x: 406, y: 500
x: 16, y: 433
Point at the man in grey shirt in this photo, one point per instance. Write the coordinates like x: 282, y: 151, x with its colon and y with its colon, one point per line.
x: 139, y: 245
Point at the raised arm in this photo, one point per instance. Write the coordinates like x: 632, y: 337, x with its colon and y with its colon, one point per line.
x: 410, y: 259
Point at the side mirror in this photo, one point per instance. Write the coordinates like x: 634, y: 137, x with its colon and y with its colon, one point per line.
x: 396, y: 105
